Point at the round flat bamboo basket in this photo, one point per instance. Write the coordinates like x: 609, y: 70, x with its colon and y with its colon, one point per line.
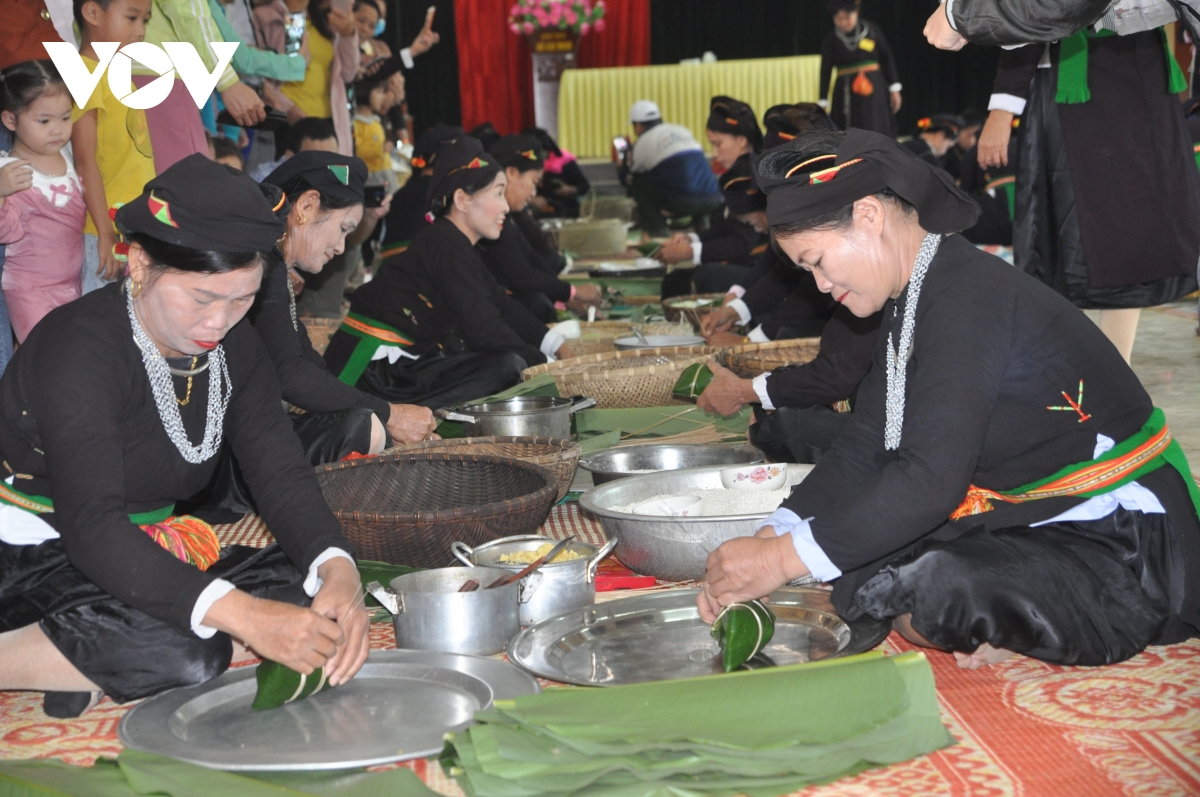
x: 751, y: 359
x: 625, y: 379
x: 600, y: 337
x: 556, y: 456
x: 320, y: 330
x: 691, y: 315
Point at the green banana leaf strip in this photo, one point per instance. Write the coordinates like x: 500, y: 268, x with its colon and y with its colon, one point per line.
x: 693, y: 381
x: 742, y: 630
x: 279, y: 684
x: 383, y: 572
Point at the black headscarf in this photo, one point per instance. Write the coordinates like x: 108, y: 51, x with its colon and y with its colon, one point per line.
x: 460, y: 164
x: 205, y: 205
x: 521, y: 152
x: 785, y: 122
x: 742, y: 194
x: 545, y: 139
x: 835, y: 6
x: 948, y: 123
x: 430, y: 142
x: 334, y: 175
x: 727, y: 115
x: 799, y: 188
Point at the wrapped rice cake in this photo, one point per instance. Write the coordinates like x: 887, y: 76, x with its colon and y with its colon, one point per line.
x: 742, y: 630
x: 279, y: 685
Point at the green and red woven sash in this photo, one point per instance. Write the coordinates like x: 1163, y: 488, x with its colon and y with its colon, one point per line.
x: 1144, y: 452
x: 371, y: 335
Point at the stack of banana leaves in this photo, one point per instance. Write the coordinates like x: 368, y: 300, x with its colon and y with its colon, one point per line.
x: 760, y: 733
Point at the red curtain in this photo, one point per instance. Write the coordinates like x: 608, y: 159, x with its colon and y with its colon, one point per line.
x: 495, y: 70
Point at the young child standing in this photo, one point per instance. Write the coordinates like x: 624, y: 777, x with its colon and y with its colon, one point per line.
x: 111, y: 142
x: 41, y: 199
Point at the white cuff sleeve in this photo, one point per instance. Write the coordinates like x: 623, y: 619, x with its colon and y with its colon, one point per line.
x: 741, y: 309
x: 314, y: 582
x: 758, y: 336
x: 823, y: 103
x: 1007, y: 102
x: 696, y: 247
x: 895, y: 87
x: 785, y: 521
x: 949, y: 15
x: 737, y: 290
x: 406, y: 57
x: 550, y: 344
x: 759, y: 383
x: 211, y: 594
x: 695, y: 237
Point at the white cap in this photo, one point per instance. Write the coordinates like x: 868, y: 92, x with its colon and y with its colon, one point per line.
x: 644, y: 111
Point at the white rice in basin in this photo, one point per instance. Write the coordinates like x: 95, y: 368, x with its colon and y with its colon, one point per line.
x: 719, y: 502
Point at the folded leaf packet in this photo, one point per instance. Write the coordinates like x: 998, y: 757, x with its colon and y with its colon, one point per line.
x: 692, y: 381
x: 742, y: 630
x: 279, y: 684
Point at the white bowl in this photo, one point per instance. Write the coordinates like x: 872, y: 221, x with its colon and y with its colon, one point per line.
x: 675, y: 506
x: 755, y: 477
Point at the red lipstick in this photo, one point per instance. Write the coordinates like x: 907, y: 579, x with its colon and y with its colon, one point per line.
x: 206, y: 345
x: 843, y: 296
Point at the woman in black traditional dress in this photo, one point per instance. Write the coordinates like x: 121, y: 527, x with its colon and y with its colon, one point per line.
x: 859, y: 73
x: 101, y: 587
x: 434, y: 327
x: 980, y: 497
x: 1108, y: 196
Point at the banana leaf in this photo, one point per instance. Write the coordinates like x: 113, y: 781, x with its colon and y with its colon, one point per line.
x: 383, y: 572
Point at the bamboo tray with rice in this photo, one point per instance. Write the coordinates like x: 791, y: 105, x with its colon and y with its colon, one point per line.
x: 625, y: 379
x: 751, y: 359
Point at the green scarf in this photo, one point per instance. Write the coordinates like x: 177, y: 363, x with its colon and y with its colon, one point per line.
x: 1073, y: 67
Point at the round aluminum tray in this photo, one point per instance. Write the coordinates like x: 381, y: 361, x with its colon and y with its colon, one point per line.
x: 625, y: 461
x: 660, y: 636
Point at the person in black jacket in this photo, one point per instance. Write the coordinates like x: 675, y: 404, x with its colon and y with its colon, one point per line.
x: 935, y: 136
x: 434, y: 327
x: 1009, y: 22
x: 859, y: 84
x: 563, y: 181
x: 409, y: 205
x: 511, y: 258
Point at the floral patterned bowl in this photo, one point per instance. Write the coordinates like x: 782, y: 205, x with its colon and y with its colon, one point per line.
x: 755, y: 477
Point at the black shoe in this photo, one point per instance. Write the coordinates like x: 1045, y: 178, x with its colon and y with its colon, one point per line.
x: 66, y: 705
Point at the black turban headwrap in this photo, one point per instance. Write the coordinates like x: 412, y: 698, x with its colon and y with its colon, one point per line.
x: 521, y: 152
x: 204, y: 205
x: 461, y: 164
x: 948, y: 123
x: 785, y: 122
x: 800, y: 188
x: 742, y: 194
x: 727, y: 115
x: 334, y: 175
x: 431, y: 142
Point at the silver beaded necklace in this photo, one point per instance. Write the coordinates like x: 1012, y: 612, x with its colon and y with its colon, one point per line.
x: 897, y: 357
x: 287, y: 278
x: 852, y: 39
x: 159, y: 373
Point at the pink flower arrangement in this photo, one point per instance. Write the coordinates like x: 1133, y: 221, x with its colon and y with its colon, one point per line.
x: 580, y: 16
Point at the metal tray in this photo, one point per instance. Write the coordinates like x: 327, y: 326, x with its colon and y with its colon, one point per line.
x: 660, y: 637
x: 398, y: 707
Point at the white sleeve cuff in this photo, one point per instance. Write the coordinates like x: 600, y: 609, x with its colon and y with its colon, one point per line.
x: 696, y: 247
x: 406, y: 57
x: 758, y: 336
x: 895, y: 87
x: 785, y: 521
x: 211, y: 594
x: 314, y: 582
x: 759, y: 383
x: 823, y: 103
x: 741, y: 309
x: 550, y: 344
x: 1007, y: 102
x: 737, y: 290
x: 950, y: 16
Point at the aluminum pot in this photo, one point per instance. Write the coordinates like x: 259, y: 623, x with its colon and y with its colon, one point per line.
x: 523, y: 416
x: 566, y: 585
x: 429, y: 613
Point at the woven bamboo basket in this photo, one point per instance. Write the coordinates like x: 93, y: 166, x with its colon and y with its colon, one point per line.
x: 625, y: 379
x: 320, y: 330
x: 407, y: 509
x: 600, y: 337
x: 751, y: 359
x: 692, y: 315
x: 557, y: 456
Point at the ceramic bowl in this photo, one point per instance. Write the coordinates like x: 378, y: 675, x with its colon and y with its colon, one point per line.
x: 755, y: 477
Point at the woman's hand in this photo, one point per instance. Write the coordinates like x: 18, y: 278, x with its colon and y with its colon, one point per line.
x: 718, y: 321
x: 341, y: 22
x: 564, y: 352
x: 291, y: 635
x: 726, y: 339
x: 340, y: 599
x: 940, y: 34
x: 586, y: 295
x: 895, y: 101
x: 993, y: 139
x: 244, y: 104
x: 410, y: 423
x: 110, y: 268
x: 746, y: 568
x: 727, y: 393
x: 15, y: 177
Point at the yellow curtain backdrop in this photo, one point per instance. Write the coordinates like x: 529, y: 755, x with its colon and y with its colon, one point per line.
x: 593, y: 104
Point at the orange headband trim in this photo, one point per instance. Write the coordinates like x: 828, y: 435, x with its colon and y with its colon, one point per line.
x: 279, y: 204
x: 799, y: 166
